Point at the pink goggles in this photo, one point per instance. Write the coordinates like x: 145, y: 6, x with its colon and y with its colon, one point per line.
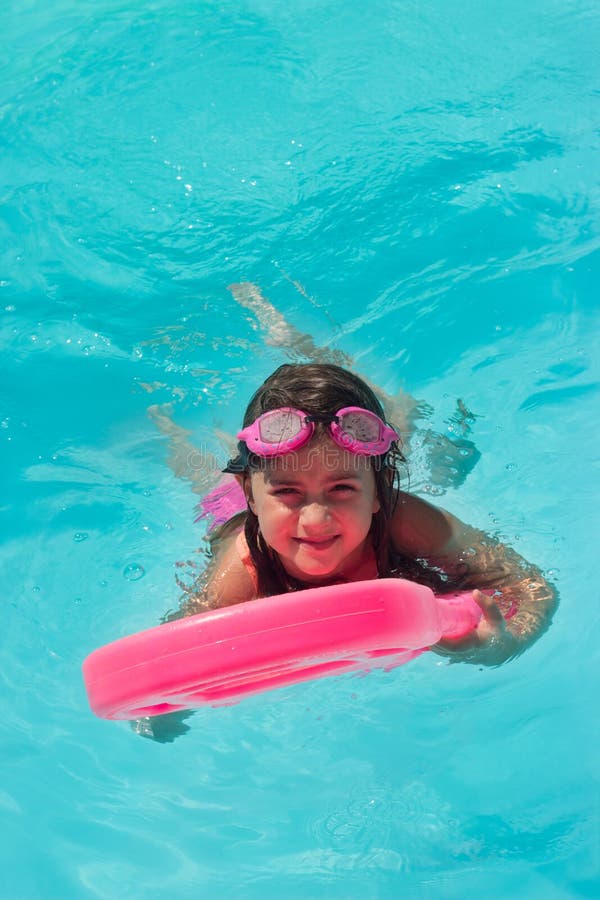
x: 280, y: 431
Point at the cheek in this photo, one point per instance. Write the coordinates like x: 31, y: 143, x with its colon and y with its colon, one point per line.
x: 359, y: 516
x: 272, y: 516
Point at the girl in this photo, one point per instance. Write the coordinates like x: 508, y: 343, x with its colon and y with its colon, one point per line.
x: 319, y: 469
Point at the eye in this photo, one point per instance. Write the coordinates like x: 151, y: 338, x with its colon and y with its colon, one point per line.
x: 343, y: 488
x: 284, y: 492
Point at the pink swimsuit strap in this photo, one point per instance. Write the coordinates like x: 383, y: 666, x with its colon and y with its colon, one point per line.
x: 241, y: 545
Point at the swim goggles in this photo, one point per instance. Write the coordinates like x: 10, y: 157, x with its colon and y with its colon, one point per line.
x: 282, y: 430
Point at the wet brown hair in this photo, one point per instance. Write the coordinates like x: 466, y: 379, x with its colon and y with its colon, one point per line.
x: 318, y: 390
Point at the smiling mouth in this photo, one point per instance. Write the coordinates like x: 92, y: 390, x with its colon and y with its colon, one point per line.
x: 318, y: 543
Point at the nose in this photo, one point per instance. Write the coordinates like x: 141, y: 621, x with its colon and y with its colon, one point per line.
x: 313, y: 516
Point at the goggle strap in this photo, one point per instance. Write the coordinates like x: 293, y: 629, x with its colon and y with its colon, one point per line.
x: 324, y: 420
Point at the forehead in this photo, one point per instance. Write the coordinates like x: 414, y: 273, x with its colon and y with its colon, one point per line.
x: 322, y: 458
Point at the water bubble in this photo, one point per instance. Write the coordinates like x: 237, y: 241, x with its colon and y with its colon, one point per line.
x: 510, y: 466
x: 433, y: 489
x: 133, y: 572
x: 80, y: 536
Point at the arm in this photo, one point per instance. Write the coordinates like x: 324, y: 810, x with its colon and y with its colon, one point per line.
x: 226, y: 580
x: 469, y: 558
x: 224, y: 583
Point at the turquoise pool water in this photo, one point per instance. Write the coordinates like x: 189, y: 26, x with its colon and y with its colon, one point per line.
x: 415, y: 185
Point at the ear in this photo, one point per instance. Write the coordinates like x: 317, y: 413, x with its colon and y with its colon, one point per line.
x: 245, y: 482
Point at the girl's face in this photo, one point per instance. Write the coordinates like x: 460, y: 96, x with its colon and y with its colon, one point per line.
x: 314, y: 508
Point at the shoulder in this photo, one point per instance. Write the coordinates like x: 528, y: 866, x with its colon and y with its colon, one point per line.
x: 419, y: 528
x: 228, y: 578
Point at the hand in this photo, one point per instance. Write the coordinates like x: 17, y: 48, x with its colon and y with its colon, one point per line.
x: 490, y: 644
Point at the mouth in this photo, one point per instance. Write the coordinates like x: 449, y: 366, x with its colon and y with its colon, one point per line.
x: 318, y: 543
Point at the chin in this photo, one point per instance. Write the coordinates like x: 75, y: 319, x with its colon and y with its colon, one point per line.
x: 317, y: 572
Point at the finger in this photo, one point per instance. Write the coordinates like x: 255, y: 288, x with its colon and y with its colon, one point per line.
x: 489, y: 608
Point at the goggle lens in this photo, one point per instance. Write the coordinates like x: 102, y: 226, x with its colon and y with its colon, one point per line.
x: 360, y: 426
x: 277, y: 426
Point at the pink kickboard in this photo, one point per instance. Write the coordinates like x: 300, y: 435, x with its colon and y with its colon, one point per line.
x: 220, y: 656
